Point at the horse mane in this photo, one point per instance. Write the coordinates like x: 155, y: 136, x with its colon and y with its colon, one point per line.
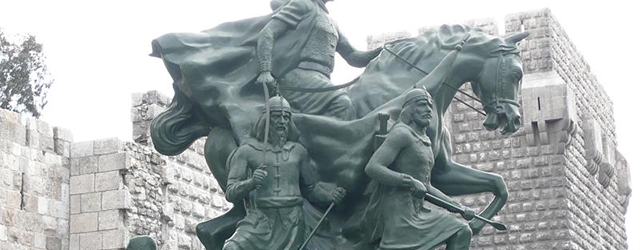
x: 444, y: 38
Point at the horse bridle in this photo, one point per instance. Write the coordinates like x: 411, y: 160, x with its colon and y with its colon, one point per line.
x: 496, y: 105
x: 457, y: 47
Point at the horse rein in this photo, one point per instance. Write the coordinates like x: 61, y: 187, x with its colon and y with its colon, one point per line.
x: 457, y: 47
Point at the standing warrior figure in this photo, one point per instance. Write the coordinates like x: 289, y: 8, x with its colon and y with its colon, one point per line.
x: 316, y: 60
x: 397, y: 216
x: 273, y: 190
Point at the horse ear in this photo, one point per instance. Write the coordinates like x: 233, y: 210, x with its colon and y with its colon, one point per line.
x: 517, y: 37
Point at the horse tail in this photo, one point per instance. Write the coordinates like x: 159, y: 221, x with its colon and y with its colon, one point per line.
x: 175, y: 129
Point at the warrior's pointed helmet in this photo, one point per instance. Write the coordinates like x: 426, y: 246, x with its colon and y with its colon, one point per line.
x: 416, y: 94
x: 278, y: 104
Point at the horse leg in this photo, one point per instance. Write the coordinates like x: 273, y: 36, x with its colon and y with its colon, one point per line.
x: 461, y: 180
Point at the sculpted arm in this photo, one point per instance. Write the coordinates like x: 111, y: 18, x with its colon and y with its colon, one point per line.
x: 355, y: 57
x: 378, y: 169
x: 286, y: 18
x: 239, y: 185
x: 437, y: 193
x: 274, y: 29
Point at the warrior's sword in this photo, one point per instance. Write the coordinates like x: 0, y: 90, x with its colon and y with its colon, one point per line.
x: 457, y: 209
x: 315, y: 229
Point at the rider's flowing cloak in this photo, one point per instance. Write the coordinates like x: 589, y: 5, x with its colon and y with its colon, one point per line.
x: 216, y: 69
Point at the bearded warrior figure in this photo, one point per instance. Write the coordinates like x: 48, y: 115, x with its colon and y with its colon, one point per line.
x: 271, y: 180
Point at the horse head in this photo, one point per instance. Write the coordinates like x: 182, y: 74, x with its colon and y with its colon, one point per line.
x: 497, y: 82
x: 491, y: 64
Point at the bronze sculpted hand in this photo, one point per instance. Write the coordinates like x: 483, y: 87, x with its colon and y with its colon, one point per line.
x: 338, y: 195
x: 259, y: 177
x: 418, y: 189
x: 468, y: 213
x: 266, y: 77
x: 363, y: 58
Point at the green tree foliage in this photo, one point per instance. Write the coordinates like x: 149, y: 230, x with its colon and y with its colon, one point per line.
x: 24, y: 79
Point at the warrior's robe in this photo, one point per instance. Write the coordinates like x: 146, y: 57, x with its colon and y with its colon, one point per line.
x: 275, y: 218
x: 397, y: 220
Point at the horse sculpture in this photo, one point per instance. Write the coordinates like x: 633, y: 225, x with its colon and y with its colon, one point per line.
x: 492, y: 65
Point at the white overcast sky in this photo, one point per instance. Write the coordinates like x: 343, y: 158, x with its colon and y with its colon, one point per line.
x: 97, y: 50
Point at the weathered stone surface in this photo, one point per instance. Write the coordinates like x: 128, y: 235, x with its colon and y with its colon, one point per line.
x: 63, y: 148
x: 75, y: 204
x: 111, y: 219
x: 115, y: 199
x: 85, y: 222
x: 84, y: 165
x: 39, y: 240
x: 81, y: 149
x: 32, y: 139
x: 90, y: 241
x: 74, y: 242
x: 3, y: 233
x: 113, y: 162
x: 12, y: 129
x: 90, y: 202
x: 111, y: 180
x: 113, y: 239
x: 82, y: 184
x: 107, y: 146
x: 43, y: 206
x: 34, y: 196
x: 47, y: 143
x: 54, y: 243
x: 62, y: 134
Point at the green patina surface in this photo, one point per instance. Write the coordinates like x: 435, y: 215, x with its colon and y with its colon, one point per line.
x: 217, y: 81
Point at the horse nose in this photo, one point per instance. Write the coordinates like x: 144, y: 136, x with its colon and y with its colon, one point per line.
x: 513, y: 120
x: 517, y: 122
x: 492, y: 122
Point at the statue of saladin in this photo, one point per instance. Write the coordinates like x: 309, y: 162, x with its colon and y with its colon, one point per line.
x: 397, y: 216
x: 214, y: 74
x: 272, y: 180
x: 316, y: 57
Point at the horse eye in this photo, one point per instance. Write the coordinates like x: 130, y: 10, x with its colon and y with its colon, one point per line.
x: 517, y: 74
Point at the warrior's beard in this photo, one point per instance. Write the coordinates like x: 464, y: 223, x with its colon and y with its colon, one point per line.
x: 279, y: 135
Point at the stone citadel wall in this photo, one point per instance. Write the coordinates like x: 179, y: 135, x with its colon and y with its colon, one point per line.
x: 569, y: 185
x: 60, y: 194
x: 34, y: 184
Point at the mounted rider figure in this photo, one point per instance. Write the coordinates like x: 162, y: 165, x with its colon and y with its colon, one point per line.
x: 316, y: 58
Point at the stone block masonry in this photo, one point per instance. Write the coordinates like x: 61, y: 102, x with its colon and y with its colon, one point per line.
x: 34, y: 183
x: 170, y: 195
x: 99, y: 199
x: 57, y: 194
x: 125, y: 189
